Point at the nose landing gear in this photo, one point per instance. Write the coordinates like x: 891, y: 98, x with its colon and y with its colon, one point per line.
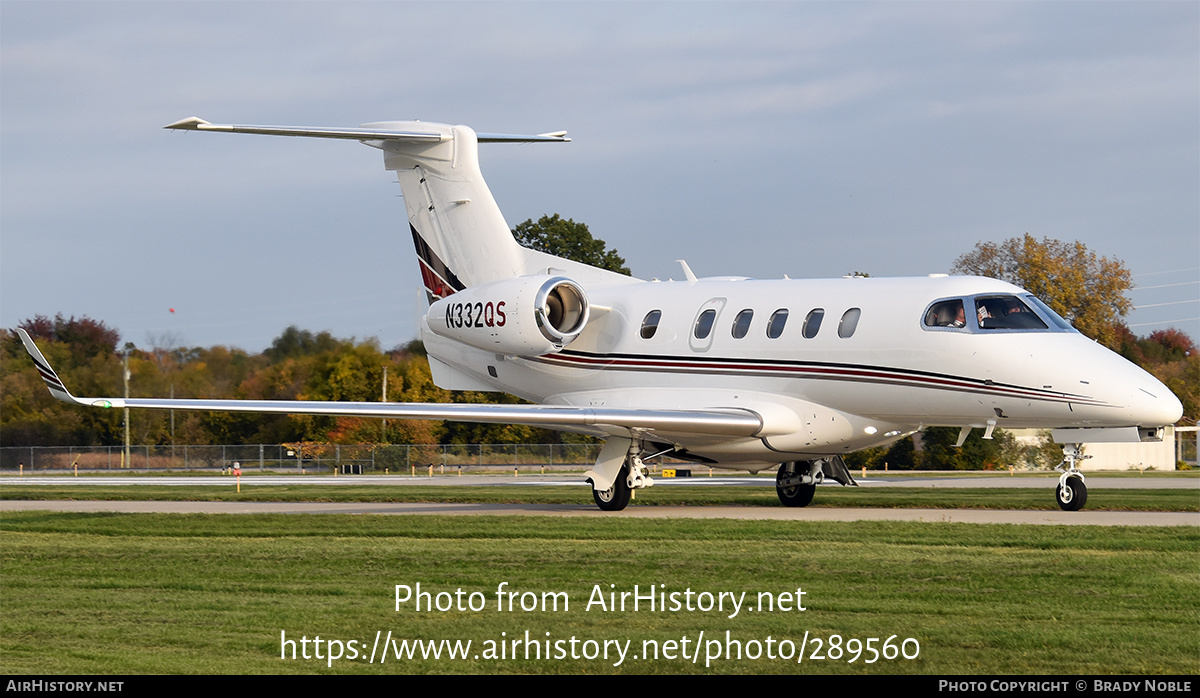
x: 1071, y: 492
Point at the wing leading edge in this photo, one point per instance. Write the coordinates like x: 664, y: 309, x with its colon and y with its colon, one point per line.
x: 719, y: 422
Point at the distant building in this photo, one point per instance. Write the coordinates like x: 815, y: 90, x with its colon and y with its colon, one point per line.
x: 1160, y: 455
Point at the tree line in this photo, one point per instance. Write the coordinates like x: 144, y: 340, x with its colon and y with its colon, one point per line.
x: 299, y: 365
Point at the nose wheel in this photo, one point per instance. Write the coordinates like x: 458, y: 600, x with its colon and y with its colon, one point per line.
x: 1071, y: 493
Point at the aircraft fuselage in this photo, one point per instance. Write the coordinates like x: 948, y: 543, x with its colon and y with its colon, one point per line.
x: 824, y: 387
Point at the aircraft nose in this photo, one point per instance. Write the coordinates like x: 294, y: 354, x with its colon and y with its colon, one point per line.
x: 1154, y: 405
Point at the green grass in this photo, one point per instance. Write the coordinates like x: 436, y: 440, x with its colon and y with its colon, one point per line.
x: 879, y: 497
x: 125, y: 593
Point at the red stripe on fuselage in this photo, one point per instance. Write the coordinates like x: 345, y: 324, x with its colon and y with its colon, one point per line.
x: 857, y: 374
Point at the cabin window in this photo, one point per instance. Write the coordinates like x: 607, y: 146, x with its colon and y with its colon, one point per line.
x: 704, y: 323
x: 946, y: 314
x: 849, y: 322
x: 741, y: 324
x: 650, y: 324
x: 775, y: 325
x: 1006, y: 313
x: 812, y: 322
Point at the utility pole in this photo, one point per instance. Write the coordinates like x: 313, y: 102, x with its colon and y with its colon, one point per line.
x: 383, y: 436
x: 125, y: 372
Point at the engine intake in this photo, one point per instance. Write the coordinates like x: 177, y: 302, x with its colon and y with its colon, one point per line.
x: 561, y: 309
x: 526, y: 316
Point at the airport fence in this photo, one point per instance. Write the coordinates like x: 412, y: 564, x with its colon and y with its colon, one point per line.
x: 305, y: 458
x: 347, y: 458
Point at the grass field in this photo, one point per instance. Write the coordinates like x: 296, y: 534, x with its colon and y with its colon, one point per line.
x: 887, y: 497
x: 113, y: 593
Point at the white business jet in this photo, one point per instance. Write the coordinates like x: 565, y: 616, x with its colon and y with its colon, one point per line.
x: 731, y: 372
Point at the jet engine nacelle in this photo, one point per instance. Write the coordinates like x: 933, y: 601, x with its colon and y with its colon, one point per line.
x: 526, y: 316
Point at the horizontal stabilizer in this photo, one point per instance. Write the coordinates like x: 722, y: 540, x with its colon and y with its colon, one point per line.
x: 194, y: 123
x: 359, y: 134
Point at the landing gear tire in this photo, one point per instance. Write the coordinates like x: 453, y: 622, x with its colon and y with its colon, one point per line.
x: 1071, y: 495
x: 799, y: 495
x: 616, y: 497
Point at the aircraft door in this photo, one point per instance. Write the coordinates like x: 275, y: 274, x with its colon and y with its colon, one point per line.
x: 704, y: 326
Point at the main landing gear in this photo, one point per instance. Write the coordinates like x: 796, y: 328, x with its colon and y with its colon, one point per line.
x: 617, y: 497
x: 796, y: 482
x: 796, y: 486
x: 631, y: 476
x: 1071, y: 493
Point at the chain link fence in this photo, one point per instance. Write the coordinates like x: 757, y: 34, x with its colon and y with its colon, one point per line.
x: 315, y: 458
x: 350, y: 458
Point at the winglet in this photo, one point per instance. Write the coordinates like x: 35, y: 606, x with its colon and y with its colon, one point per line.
x: 57, y: 389
x: 192, y: 123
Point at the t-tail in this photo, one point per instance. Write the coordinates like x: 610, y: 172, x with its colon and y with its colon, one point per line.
x: 460, y: 235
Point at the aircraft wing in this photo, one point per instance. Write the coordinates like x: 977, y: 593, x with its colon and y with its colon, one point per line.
x: 720, y: 422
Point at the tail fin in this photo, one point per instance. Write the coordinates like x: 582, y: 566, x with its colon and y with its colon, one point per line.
x: 460, y: 235
x: 461, y: 238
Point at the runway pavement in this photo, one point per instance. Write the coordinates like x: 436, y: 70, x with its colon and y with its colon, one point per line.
x: 1054, y: 518
x: 817, y: 513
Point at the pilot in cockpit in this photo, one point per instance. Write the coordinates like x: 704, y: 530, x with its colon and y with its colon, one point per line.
x: 946, y: 314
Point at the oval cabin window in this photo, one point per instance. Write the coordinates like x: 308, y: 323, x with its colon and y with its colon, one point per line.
x: 741, y: 324
x: 650, y: 324
x: 812, y: 322
x: 778, y: 320
x: 704, y: 323
x: 849, y: 322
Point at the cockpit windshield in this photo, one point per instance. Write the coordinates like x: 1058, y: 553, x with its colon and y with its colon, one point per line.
x: 1049, y: 313
x: 994, y: 312
x: 1005, y: 313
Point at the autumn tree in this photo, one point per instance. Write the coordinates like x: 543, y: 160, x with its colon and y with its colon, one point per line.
x: 1173, y: 358
x: 570, y: 240
x: 939, y: 452
x: 86, y: 350
x: 85, y: 337
x: 295, y: 342
x: 1087, y: 290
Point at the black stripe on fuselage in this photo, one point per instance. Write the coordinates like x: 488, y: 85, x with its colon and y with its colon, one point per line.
x: 814, y: 370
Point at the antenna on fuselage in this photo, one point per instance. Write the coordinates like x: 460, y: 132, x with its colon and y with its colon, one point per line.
x: 687, y: 271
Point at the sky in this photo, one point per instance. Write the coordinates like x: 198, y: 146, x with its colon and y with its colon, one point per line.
x: 811, y: 139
